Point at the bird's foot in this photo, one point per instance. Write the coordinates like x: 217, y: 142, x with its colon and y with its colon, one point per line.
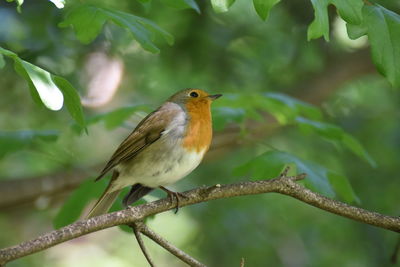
x: 172, y: 194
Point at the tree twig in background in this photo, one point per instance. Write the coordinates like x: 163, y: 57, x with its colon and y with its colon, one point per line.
x: 136, y: 230
x: 171, y: 248
x: 282, y: 185
x: 393, y: 258
x: 242, y: 262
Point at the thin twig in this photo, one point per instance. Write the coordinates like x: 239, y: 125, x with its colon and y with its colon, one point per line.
x: 171, y: 248
x: 136, y: 230
x: 285, y: 185
x: 393, y: 258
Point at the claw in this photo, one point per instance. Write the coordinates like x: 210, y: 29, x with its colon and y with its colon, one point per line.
x: 171, y: 195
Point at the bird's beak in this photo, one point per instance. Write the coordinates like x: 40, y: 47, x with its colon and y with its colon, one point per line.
x: 213, y: 97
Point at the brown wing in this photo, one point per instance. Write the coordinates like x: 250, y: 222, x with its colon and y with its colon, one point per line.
x: 147, y: 132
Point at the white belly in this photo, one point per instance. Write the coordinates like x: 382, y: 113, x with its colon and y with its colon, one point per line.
x: 161, y: 170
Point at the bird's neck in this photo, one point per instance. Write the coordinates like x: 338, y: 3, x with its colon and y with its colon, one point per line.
x: 199, y: 130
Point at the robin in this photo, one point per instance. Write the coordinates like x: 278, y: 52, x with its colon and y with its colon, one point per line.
x: 164, y: 147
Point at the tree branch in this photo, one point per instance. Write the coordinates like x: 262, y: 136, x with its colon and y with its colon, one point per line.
x: 137, y: 230
x: 282, y: 185
x: 168, y: 246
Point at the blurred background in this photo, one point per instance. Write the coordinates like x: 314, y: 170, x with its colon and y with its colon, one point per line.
x: 45, y: 156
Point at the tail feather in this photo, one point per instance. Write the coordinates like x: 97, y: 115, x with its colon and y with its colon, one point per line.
x: 105, y: 201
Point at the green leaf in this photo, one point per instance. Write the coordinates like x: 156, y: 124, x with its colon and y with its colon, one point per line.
x: 58, y: 3
x: 19, y: 68
x: 356, y: 31
x: 320, y: 25
x: 263, y: 7
x: 113, y: 119
x: 193, y: 4
x: 349, y: 10
x: 355, y: 146
x: 182, y: 4
x: 335, y: 133
x: 150, y: 25
x: 297, y: 107
x: 18, y: 140
x: 342, y: 187
x: 41, y: 86
x: 270, y: 165
x: 88, y: 20
x: 48, y: 89
x: 72, y: 99
x: 225, y: 115
x: 2, y: 61
x: 284, y: 108
x: 7, y: 53
x: 220, y: 6
x: 384, y: 36
x: 77, y: 201
x: 19, y: 4
x: 116, y: 117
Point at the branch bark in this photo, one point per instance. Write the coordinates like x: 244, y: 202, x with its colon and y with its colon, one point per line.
x: 136, y: 230
x: 168, y: 246
x: 282, y: 185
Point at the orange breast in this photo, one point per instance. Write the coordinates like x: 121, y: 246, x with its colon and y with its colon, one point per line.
x: 199, y: 129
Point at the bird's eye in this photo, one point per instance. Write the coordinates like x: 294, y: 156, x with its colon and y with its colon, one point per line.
x: 194, y: 94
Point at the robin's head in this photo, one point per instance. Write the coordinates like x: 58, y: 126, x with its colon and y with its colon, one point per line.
x: 193, y: 98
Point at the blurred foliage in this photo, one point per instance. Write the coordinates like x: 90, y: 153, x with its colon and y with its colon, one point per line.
x: 347, y: 142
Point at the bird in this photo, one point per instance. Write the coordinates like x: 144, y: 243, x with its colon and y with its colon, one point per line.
x: 167, y: 145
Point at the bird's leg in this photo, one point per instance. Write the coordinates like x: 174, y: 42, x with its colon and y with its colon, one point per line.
x: 172, y: 194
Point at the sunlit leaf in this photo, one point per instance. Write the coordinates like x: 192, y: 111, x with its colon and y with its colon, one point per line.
x: 48, y: 89
x: 220, y: 6
x: 58, y: 3
x: 13, y: 141
x: 263, y: 7
x: 49, y: 93
x: 88, y: 20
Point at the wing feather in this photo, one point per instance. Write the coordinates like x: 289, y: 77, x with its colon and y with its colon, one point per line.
x: 146, y: 132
